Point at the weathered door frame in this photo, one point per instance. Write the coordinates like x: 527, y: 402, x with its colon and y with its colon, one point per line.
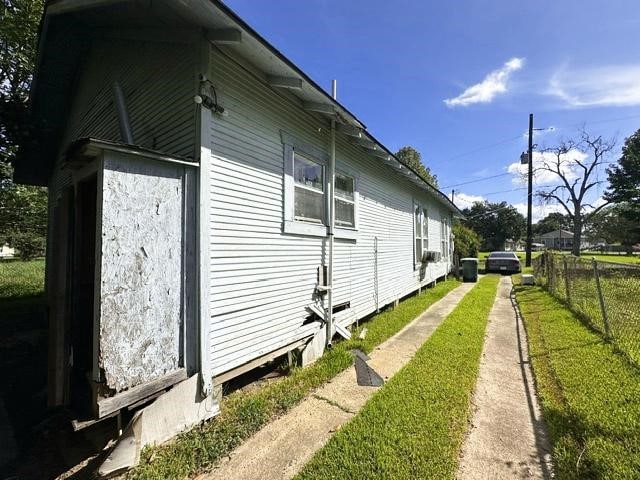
x: 61, y: 280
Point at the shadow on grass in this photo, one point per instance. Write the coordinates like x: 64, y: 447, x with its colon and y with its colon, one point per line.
x: 588, y: 393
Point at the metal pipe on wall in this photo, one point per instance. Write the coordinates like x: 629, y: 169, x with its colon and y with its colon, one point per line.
x: 123, y: 115
x: 332, y: 220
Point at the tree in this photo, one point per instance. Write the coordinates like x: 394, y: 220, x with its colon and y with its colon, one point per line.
x: 412, y: 158
x: 615, y: 224
x: 624, y: 178
x: 552, y: 222
x: 574, y: 164
x: 495, y: 223
x: 466, y: 241
x: 23, y: 219
x: 23, y: 209
x: 19, y: 21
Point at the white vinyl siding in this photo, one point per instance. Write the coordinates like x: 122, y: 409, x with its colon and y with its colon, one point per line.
x: 263, y: 277
x: 158, y: 82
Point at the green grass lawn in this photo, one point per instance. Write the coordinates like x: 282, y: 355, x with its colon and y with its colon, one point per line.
x: 620, y: 285
x: 590, y: 395
x: 413, y: 427
x: 244, y: 413
x: 615, y: 258
x: 21, y: 279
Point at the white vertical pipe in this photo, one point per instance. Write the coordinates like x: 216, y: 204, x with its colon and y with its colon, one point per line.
x: 332, y: 219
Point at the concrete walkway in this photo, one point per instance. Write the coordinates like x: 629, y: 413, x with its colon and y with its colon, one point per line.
x: 281, y: 448
x: 507, y: 438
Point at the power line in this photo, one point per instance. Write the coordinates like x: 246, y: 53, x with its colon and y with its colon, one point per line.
x: 610, y: 120
x: 486, y: 147
x: 482, y: 179
x: 502, y: 142
x: 487, y: 194
x: 478, y: 180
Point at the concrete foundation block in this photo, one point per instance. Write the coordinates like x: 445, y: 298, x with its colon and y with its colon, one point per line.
x: 180, y: 409
x: 315, y: 348
x: 528, y: 279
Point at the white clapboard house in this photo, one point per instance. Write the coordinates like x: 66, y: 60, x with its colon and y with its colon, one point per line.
x: 193, y: 229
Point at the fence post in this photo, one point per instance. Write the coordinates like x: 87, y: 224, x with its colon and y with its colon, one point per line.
x: 566, y: 280
x: 607, y: 330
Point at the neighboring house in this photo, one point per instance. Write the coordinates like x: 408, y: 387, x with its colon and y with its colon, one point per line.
x: 6, y: 251
x: 189, y: 167
x: 511, y: 245
x: 557, y: 240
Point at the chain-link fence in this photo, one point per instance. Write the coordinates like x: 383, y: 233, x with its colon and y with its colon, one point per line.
x: 604, y: 294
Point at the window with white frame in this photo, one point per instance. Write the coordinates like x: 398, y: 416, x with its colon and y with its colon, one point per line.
x: 421, y: 231
x: 308, y: 190
x: 306, y: 203
x: 444, y: 238
x: 345, y: 203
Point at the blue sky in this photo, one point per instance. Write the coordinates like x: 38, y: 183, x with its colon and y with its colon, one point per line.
x: 458, y: 79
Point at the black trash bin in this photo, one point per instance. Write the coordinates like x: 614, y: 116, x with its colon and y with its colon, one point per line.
x: 469, y: 269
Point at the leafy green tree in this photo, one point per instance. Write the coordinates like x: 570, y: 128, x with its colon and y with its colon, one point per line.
x: 495, y: 223
x: 23, y: 216
x: 615, y: 224
x: 467, y: 242
x: 552, y: 222
x: 412, y: 158
x: 624, y: 178
x: 23, y: 209
x: 19, y: 21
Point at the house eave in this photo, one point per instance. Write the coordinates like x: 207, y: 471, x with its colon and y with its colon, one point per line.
x: 236, y: 36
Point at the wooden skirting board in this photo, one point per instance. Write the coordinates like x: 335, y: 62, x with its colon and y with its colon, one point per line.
x: 105, y: 406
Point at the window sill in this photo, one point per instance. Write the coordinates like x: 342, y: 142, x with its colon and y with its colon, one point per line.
x: 317, y: 230
x: 343, y: 233
x: 303, y: 228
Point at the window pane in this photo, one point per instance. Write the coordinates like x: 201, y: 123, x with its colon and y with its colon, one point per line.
x: 345, y: 213
x: 425, y: 223
x: 418, y: 250
x: 344, y: 186
x: 309, y: 205
x: 307, y: 172
x: 418, y: 227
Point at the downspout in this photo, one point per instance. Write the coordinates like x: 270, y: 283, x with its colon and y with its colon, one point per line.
x: 332, y: 221
x: 123, y: 115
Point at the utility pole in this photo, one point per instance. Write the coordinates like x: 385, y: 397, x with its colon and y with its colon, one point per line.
x: 453, y: 193
x: 527, y: 261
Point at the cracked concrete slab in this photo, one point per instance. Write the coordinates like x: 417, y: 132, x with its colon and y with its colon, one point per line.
x: 284, y: 446
x: 507, y: 438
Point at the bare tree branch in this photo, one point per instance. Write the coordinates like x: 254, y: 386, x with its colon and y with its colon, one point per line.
x: 574, y: 177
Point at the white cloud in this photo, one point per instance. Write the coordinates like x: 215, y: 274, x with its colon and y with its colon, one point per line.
x: 543, y: 177
x: 617, y: 85
x: 493, y: 84
x: 538, y: 211
x: 463, y: 200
